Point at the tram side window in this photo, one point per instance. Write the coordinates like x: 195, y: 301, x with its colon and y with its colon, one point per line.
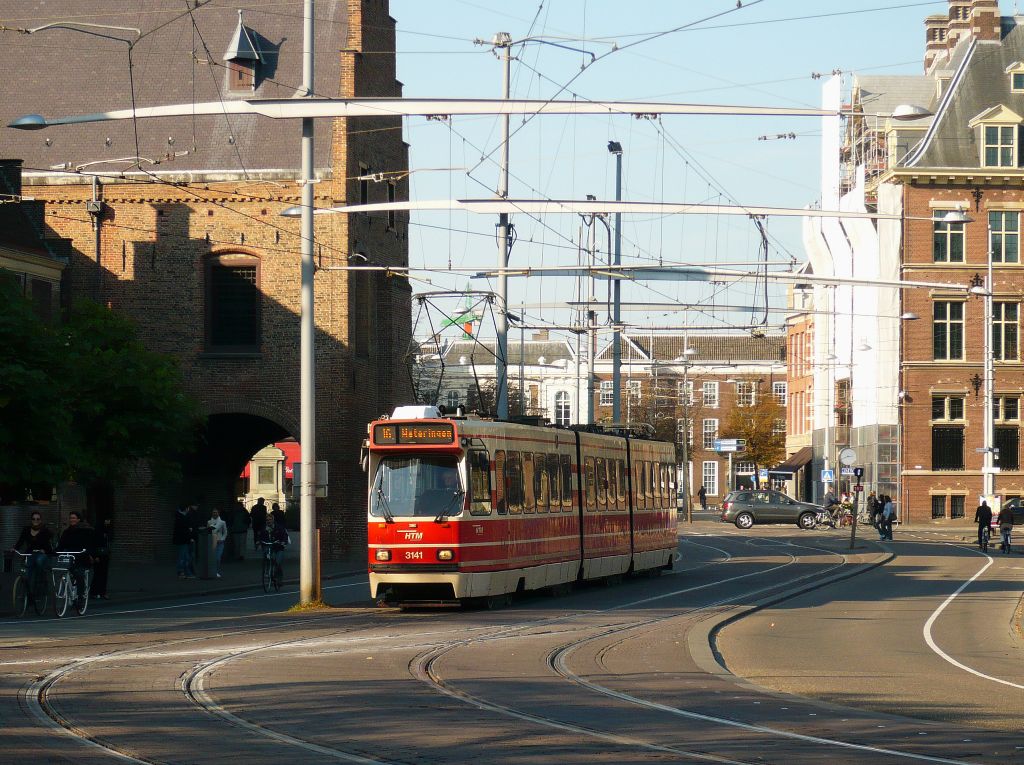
x: 479, y: 483
x: 540, y: 482
x: 612, y: 482
x: 649, y: 486
x: 638, y: 485
x: 621, y: 480
x: 501, y: 479
x: 566, y: 483
x: 553, y: 484
x: 602, y: 483
x: 529, y: 487
x: 589, y: 484
x: 515, y: 482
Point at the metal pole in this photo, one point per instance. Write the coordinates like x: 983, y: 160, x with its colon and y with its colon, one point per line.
x: 617, y: 301
x: 309, y: 570
x: 592, y: 325
x: 503, y: 40
x: 686, y: 439
x: 988, y: 477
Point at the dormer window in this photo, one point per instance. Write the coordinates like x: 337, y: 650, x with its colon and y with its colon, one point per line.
x: 999, y: 129
x: 243, y: 58
x: 1016, y: 72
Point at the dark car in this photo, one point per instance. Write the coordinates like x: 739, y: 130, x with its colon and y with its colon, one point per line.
x: 747, y: 507
x: 1016, y: 504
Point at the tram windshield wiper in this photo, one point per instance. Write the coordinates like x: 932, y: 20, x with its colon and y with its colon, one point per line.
x: 458, y: 493
x: 384, y: 506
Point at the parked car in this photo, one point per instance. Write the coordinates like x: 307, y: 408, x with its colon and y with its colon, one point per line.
x: 747, y: 507
x: 1016, y: 504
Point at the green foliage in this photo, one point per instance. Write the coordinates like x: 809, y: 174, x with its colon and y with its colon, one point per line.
x: 85, y: 399
x: 756, y: 424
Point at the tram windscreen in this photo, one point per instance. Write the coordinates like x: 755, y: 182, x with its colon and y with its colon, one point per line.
x: 416, y: 487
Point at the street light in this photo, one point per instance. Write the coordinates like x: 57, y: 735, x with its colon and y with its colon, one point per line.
x: 616, y: 148
x: 687, y: 429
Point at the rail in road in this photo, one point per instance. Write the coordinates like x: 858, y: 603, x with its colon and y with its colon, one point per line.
x: 642, y: 672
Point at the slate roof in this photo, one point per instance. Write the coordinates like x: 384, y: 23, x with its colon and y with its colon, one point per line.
x: 711, y: 349
x: 982, y: 85
x: 481, y: 352
x: 58, y: 72
x: 881, y: 94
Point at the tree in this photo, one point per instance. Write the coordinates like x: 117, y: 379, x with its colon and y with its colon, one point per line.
x: 756, y: 424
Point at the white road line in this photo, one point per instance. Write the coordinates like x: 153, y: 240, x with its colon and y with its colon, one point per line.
x: 934, y: 646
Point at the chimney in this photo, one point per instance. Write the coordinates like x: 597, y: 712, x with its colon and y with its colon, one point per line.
x: 10, y: 177
x: 985, y: 20
x: 935, y: 28
x: 959, y: 22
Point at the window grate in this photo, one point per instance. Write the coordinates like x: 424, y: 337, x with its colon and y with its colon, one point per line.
x: 939, y: 507
x: 235, y: 306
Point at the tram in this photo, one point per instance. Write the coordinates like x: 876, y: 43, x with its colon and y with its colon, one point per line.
x: 464, y: 509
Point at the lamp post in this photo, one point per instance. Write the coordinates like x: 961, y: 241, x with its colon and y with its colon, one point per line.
x: 985, y: 289
x: 616, y: 148
x: 687, y: 430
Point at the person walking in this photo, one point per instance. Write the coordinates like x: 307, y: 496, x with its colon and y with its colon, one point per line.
x: 239, y: 529
x: 182, y: 539
x: 104, y: 534
x: 1005, y: 521
x: 982, y: 517
x: 888, y: 516
x: 258, y: 515
x: 702, y: 495
x: 220, y: 535
x: 872, y: 508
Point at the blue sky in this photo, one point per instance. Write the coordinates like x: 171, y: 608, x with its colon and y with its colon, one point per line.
x: 766, y: 52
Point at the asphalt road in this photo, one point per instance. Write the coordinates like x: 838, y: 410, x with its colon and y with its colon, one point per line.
x: 762, y: 647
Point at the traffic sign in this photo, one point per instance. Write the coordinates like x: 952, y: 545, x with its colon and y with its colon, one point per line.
x: 859, y: 472
x: 729, y: 444
x: 858, y: 487
x: 828, y: 476
x: 846, y: 471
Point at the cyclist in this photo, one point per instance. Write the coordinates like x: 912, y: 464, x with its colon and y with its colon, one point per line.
x: 36, y: 539
x: 1005, y: 521
x: 983, y: 517
x: 78, y: 536
x: 275, y: 535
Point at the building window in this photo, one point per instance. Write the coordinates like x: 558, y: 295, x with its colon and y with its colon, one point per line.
x: 744, y: 394
x: 241, y: 75
x: 710, y: 393
x: 710, y: 432
x: 1004, y: 331
x: 684, y: 429
x: 1006, y: 408
x: 1017, y: 82
x: 452, y: 400
x: 633, y: 388
x: 948, y: 240
x: 779, y: 427
x: 956, y: 506
x: 607, y: 393
x: 364, y: 184
x: 947, y: 448
x: 1004, y: 236
x: 844, y: 405
x: 1007, y: 441
x: 779, y: 391
x: 233, y: 303
x: 744, y: 468
x: 947, y: 408
x: 709, y: 475
x: 563, y: 411
x: 948, y: 330
x: 939, y: 507
x: 999, y: 145
x: 684, y: 390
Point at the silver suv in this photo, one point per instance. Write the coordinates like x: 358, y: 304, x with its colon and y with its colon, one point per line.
x: 750, y: 506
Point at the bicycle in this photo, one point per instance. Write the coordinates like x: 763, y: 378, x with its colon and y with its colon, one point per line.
x: 828, y: 516
x: 986, y: 534
x: 66, y: 589
x: 272, y: 572
x: 1004, y: 544
x: 35, y: 591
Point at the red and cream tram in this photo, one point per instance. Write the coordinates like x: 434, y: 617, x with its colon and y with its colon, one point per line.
x: 463, y: 508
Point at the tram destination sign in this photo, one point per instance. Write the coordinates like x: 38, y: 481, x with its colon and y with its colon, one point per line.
x: 413, y: 433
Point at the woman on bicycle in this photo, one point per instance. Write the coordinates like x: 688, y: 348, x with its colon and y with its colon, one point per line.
x: 76, y: 538
x: 275, y: 535
x: 36, y: 539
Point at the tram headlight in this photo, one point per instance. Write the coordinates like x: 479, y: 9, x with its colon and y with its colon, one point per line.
x: 445, y: 555
x: 382, y: 555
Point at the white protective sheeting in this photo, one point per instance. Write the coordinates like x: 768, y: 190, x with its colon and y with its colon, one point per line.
x: 890, y: 200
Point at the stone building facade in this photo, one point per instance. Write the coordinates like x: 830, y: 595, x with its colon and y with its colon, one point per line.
x: 175, y: 221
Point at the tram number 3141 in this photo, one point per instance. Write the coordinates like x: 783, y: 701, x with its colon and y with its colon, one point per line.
x: 414, y: 555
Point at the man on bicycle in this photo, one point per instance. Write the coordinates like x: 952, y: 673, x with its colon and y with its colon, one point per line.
x: 36, y: 539
x: 983, y: 517
x: 1005, y: 521
x: 76, y: 538
x: 276, y: 536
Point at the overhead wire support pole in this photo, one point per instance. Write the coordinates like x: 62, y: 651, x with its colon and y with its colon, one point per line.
x: 309, y: 559
x: 616, y: 148
x: 503, y: 41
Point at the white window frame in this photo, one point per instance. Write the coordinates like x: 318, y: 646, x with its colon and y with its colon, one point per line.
x: 684, y: 391
x: 744, y: 393
x: 999, y: 144
x: 709, y: 477
x: 710, y: 394
x: 779, y: 427
x: 607, y: 393
x: 744, y: 468
x: 709, y: 431
x: 780, y: 391
x: 949, y: 232
x: 634, y: 390
x: 681, y: 426
x: 946, y: 324
x: 563, y: 408
x: 999, y: 235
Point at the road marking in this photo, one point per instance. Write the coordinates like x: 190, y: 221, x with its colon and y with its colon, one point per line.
x: 934, y: 646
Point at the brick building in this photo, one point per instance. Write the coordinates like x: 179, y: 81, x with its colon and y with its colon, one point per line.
x: 175, y: 222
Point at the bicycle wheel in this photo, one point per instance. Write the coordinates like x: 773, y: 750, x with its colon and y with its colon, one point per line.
x: 40, y: 595
x: 20, y: 596
x: 268, y: 573
x: 278, y: 576
x: 82, y: 603
x: 61, y: 594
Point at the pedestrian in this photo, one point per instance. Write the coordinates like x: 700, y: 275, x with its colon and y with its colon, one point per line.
x: 702, y: 495
x: 182, y: 539
x: 278, y: 514
x: 101, y: 566
x: 1005, y: 521
x: 259, y: 520
x: 888, y: 516
x: 873, y: 509
x: 239, y: 529
x: 220, y: 535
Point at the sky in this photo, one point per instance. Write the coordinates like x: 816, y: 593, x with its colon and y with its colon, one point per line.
x: 766, y: 52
